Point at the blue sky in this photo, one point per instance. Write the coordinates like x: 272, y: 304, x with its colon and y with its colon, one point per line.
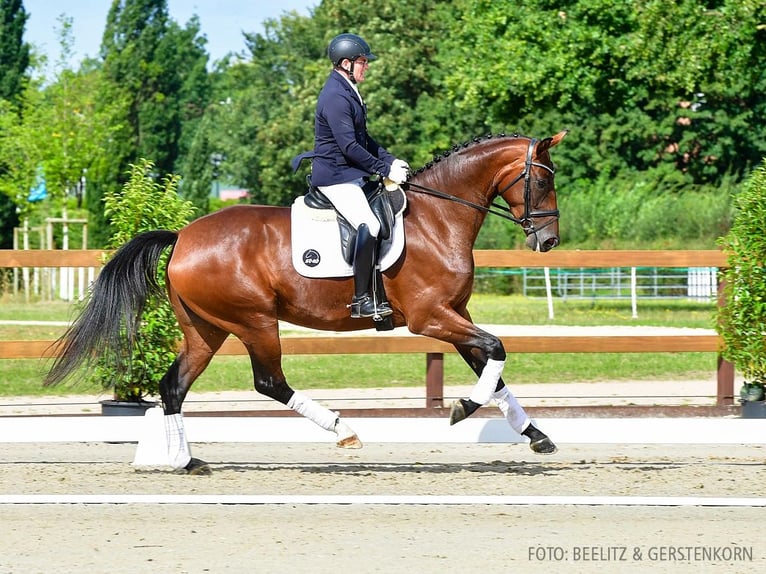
x: 222, y: 21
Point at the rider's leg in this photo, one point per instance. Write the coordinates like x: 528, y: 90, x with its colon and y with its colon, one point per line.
x: 364, y: 304
x: 351, y: 203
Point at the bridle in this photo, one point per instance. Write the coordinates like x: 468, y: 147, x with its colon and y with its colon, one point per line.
x: 527, y: 220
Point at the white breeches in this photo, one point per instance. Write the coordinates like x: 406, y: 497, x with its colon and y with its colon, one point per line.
x: 350, y: 201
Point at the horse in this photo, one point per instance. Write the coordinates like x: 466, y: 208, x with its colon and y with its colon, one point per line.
x: 230, y: 272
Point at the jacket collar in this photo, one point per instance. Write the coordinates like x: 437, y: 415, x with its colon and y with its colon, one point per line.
x: 348, y: 86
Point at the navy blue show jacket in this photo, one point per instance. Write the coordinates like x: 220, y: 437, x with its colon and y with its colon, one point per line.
x: 343, y: 150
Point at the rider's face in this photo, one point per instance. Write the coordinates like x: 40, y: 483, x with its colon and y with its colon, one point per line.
x: 360, y: 68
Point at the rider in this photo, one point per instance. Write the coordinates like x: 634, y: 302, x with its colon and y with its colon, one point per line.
x: 344, y: 158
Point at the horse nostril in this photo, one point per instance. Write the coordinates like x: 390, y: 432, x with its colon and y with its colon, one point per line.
x: 550, y: 243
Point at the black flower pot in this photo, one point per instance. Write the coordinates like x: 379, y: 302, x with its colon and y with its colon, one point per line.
x: 753, y: 409
x: 126, y: 408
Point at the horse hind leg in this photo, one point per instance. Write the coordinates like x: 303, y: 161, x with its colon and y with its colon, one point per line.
x: 195, y: 355
x: 347, y: 438
x: 269, y: 380
x: 178, y: 450
x: 325, y: 418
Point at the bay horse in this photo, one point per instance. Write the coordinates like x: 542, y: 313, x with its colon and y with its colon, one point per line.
x: 230, y: 272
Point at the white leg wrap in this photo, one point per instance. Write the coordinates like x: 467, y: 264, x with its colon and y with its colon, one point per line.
x: 313, y: 411
x: 487, y: 383
x: 514, y: 413
x: 179, y: 454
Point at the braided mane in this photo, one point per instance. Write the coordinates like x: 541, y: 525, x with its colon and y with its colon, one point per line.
x: 457, y: 147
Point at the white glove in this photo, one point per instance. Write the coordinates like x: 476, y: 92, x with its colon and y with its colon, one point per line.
x: 398, y: 172
x: 402, y: 163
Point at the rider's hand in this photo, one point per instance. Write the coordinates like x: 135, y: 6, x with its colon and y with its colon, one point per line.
x: 402, y: 163
x: 398, y: 172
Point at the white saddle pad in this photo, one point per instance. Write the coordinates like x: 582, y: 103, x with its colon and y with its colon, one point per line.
x: 316, y: 243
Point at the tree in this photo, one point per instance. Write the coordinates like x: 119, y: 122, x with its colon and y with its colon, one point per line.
x: 14, y: 62
x: 672, y: 88
x: 156, y: 69
x: 64, y: 121
x: 19, y: 156
x: 55, y: 131
x: 740, y: 320
x: 145, y: 204
x: 14, y: 52
x: 662, y: 98
x: 262, y: 114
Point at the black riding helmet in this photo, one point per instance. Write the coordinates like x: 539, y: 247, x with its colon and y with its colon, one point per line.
x: 348, y: 46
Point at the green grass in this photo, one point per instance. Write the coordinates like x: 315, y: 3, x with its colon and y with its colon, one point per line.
x: 23, y: 377
x: 518, y: 310
x: 43, y: 311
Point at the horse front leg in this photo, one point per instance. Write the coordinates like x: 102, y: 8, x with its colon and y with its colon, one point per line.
x: 512, y: 410
x: 270, y: 381
x: 490, y: 372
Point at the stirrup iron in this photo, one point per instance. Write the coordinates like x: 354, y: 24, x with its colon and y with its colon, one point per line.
x: 365, y: 307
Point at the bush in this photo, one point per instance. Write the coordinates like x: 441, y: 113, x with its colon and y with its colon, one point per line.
x: 643, y: 212
x: 143, y: 205
x: 741, y: 321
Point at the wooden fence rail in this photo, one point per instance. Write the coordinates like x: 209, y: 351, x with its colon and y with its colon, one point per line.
x: 433, y: 349
x: 482, y: 257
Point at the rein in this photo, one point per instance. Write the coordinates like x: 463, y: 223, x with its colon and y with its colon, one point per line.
x: 526, y: 220
x: 495, y: 209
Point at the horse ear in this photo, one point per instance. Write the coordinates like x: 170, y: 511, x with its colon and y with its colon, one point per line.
x: 548, y: 143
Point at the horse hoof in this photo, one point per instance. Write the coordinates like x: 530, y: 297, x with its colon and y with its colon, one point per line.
x: 346, y: 436
x: 462, y: 409
x: 197, y: 467
x: 457, y: 412
x: 349, y: 442
x: 543, y: 446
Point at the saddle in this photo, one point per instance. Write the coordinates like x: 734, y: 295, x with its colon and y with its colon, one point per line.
x: 384, y: 204
x: 322, y: 242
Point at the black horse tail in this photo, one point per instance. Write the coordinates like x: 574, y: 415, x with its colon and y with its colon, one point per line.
x: 106, y: 327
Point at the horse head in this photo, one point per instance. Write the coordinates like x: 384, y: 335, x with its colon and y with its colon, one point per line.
x: 528, y: 189
x: 517, y: 168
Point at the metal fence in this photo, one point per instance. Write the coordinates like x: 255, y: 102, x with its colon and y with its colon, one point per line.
x: 699, y: 283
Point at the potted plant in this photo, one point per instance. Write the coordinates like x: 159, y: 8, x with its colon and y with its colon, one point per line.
x: 144, y: 204
x: 741, y: 319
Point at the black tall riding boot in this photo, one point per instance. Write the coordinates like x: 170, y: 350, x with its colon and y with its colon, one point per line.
x: 363, y: 304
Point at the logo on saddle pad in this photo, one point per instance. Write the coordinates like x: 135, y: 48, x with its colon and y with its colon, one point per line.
x: 317, y: 249
x: 311, y: 258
